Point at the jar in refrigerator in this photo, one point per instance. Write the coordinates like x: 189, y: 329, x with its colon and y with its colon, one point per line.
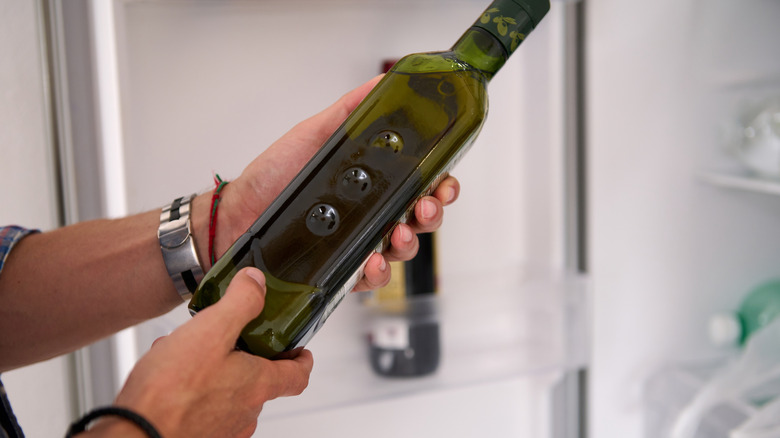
x: 758, y: 145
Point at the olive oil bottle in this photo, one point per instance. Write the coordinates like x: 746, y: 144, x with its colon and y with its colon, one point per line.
x: 313, y: 241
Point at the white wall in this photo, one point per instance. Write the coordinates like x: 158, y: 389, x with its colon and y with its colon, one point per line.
x: 39, y: 393
x: 668, y: 250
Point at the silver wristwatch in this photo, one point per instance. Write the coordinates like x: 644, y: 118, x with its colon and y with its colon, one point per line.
x: 178, y: 246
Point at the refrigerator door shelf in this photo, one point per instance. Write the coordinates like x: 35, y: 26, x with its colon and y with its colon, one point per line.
x: 741, y: 180
x: 494, y: 327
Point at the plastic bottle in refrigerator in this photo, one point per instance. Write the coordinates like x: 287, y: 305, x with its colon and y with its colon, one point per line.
x: 760, y: 307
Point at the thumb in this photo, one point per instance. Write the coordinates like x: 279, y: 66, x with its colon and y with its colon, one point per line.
x: 243, y: 301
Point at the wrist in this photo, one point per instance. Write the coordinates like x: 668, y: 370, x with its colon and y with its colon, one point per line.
x: 113, y: 427
x: 200, y: 227
x: 218, y: 225
x: 177, y: 243
x: 113, y: 421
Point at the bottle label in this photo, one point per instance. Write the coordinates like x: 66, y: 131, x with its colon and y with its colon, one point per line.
x: 507, y: 22
x: 390, y: 333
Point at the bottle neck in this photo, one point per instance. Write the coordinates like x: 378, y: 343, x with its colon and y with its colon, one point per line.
x: 480, y: 50
x: 489, y: 42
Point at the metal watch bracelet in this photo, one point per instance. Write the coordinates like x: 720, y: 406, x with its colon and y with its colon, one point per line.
x: 178, y: 246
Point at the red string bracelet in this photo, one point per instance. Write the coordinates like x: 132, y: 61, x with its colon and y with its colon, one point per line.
x: 213, y: 220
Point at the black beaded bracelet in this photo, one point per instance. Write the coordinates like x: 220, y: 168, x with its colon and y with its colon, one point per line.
x: 141, y: 422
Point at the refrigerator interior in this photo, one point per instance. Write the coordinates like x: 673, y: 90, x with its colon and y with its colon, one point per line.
x: 680, y: 229
x: 203, y: 87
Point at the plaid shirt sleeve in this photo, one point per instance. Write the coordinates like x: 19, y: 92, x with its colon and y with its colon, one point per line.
x: 8, y: 238
x: 9, y: 427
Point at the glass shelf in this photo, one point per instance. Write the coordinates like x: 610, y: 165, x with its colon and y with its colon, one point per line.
x: 493, y: 328
x: 742, y: 180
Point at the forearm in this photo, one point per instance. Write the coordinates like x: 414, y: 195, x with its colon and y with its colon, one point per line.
x: 64, y: 289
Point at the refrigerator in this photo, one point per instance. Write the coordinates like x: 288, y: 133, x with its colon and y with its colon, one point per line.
x: 606, y: 214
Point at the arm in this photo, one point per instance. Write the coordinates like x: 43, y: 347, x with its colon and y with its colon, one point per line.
x: 69, y: 287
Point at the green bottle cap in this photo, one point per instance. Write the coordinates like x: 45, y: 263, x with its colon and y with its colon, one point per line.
x: 536, y: 9
x: 510, y: 21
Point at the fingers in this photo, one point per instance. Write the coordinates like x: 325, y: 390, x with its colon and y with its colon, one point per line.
x: 297, y: 371
x: 243, y: 301
x: 428, y: 217
x: 158, y: 340
x: 286, y: 377
x: 429, y: 210
x: 376, y: 273
x: 448, y: 190
x: 270, y: 172
x: 403, y: 243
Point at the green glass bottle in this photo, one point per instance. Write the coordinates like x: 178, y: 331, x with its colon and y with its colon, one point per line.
x: 314, y: 239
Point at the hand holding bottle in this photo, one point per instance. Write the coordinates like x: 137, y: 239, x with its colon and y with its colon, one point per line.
x: 245, y: 198
x: 318, y: 237
x: 194, y: 382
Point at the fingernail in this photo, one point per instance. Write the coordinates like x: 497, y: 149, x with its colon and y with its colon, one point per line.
x: 450, y: 195
x: 406, y: 235
x: 428, y: 209
x: 257, y: 275
x: 383, y: 265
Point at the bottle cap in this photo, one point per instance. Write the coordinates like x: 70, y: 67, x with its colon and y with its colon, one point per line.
x: 510, y: 21
x: 536, y: 9
x: 725, y: 330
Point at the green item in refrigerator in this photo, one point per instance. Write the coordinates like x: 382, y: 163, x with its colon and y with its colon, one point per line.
x: 759, y: 308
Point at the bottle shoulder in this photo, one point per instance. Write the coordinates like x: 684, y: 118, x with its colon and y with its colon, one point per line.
x: 435, y: 62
